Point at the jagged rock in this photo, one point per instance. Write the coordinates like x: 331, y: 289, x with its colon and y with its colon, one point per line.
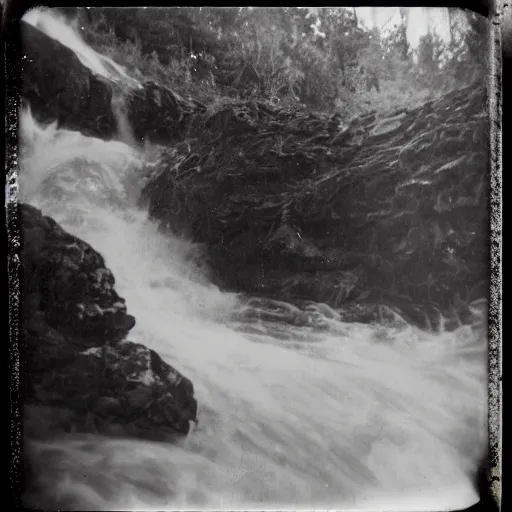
x: 66, y: 280
x: 124, y: 388
x: 160, y: 114
x: 75, y: 356
x: 60, y: 88
x: 396, y: 206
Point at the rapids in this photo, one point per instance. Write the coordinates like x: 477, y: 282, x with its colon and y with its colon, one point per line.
x: 329, y: 415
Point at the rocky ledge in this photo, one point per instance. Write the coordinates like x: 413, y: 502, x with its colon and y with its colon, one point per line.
x: 296, y: 205
x: 80, y: 372
x: 59, y: 87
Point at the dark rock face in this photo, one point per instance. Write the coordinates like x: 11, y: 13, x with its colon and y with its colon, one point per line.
x: 59, y: 87
x: 124, y: 388
x: 291, y: 205
x: 159, y: 114
x: 75, y: 356
x: 66, y: 280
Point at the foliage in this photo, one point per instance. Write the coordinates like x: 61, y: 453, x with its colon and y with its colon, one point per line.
x: 320, y: 57
x: 443, y: 64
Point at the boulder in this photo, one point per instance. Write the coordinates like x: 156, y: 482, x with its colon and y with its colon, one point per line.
x: 120, y: 389
x: 66, y: 280
x: 60, y: 88
x: 76, y: 359
x: 159, y: 114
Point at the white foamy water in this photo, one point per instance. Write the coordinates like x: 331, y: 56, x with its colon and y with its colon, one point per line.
x: 355, y: 416
x: 53, y: 25
x: 351, y: 416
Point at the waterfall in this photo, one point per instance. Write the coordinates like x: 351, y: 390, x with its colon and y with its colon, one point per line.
x: 338, y: 415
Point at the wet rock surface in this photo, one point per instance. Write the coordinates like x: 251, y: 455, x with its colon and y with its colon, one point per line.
x: 66, y: 280
x: 75, y: 354
x: 293, y: 204
x: 159, y: 114
x: 58, y: 87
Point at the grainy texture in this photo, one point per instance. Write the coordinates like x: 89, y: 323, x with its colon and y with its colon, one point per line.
x: 12, y: 55
x: 495, y: 305
x: 292, y: 241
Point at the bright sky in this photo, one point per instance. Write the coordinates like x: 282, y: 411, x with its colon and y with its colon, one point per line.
x: 420, y: 19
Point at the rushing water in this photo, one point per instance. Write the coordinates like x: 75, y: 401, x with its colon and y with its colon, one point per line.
x: 56, y: 27
x: 330, y: 415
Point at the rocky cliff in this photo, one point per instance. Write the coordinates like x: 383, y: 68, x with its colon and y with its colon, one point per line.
x: 295, y: 205
x: 79, y: 371
x: 59, y: 87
